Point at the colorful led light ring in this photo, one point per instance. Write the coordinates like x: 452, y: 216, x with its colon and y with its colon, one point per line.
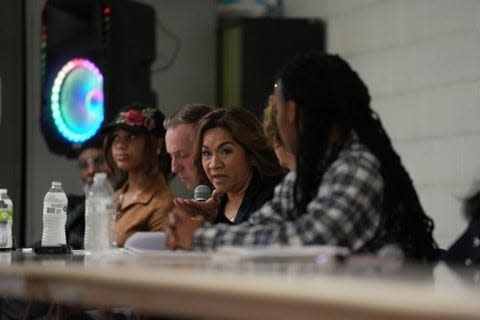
x: 77, y: 103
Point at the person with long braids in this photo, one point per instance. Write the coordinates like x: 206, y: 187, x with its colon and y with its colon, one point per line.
x: 349, y: 187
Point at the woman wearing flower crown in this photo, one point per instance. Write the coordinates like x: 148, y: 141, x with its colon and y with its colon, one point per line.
x: 135, y: 149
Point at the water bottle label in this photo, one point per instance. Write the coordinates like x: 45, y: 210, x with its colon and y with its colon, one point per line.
x: 6, y: 234
x: 55, y: 208
x: 3, y: 236
x: 6, y: 216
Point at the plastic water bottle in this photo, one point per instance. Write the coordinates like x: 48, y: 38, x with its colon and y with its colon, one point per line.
x: 100, y: 215
x: 54, y: 216
x: 6, y: 220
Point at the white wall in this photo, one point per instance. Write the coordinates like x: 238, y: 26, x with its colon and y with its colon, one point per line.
x: 421, y: 61
x: 190, y: 79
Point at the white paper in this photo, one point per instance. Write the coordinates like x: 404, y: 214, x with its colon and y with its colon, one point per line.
x: 277, y: 252
x: 144, y: 241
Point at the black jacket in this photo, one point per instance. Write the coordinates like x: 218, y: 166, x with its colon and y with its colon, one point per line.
x: 259, y: 191
x: 466, y: 250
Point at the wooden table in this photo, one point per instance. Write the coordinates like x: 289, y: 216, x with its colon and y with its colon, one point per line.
x: 194, y: 285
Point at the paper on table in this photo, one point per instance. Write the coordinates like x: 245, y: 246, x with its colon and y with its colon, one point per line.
x: 144, y: 241
x: 151, y: 244
x: 279, y: 253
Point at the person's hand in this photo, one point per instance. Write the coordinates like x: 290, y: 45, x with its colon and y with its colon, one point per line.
x: 180, y: 229
x: 207, y: 209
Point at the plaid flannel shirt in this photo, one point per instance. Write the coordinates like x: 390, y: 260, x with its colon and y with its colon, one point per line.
x: 346, y: 210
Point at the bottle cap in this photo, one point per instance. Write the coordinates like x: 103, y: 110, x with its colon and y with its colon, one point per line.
x: 100, y: 175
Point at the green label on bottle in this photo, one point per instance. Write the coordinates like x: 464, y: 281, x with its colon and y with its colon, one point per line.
x: 6, y: 215
x: 54, y: 208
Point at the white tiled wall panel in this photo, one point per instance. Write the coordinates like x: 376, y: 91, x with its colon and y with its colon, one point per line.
x: 430, y: 18
x: 433, y: 63
x: 436, y: 62
x: 442, y: 161
x: 421, y: 62
x: 323, y: 8
x: 385, y: 24
x: 375, y: 69
x: 358, y: 31
x: 434, y: 113
x: 444, y: 204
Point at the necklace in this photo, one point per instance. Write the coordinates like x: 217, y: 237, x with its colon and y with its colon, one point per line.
x: 133, y: 198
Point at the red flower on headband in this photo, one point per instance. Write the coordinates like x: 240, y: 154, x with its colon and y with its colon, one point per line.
x: 144, y: 118
x: 149, y: 123
x: 134, y: 117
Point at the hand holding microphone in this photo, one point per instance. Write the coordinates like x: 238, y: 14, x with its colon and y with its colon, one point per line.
x: 202, y: 193
x: 204, y: 203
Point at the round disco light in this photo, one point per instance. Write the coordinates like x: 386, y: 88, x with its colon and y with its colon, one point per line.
x: 76, y: 100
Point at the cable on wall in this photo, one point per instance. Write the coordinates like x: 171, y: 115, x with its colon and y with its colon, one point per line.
x: 176, y: 49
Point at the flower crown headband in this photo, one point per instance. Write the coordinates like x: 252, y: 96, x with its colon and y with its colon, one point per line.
x: 139, y: 118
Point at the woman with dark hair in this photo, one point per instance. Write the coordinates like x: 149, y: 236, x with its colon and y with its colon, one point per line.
x: 349, y: 187
x: 135, y: 149
x: 232, y: 154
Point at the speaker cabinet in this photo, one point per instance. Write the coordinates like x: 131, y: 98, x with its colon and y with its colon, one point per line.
x: 96, y: 57
x: 252, y: 50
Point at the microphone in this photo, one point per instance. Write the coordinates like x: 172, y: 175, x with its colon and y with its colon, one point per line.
x: 202, y: 193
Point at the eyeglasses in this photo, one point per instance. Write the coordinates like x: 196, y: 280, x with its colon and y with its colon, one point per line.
x: 96, y: 162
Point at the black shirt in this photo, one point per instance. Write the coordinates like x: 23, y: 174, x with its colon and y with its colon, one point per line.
x: 466, y: 249
x: 259, y: 191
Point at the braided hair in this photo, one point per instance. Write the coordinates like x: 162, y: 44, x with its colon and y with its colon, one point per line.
x: 328, y: 94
